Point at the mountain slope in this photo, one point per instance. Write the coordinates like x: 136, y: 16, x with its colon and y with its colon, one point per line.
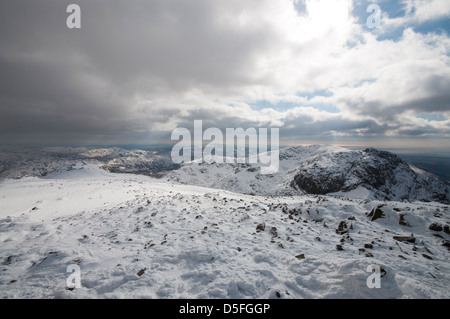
x: 320, y: 170
x: 317, y: 169
x: 384, y: 174
x: 139, y: 237
x: 17, y: 162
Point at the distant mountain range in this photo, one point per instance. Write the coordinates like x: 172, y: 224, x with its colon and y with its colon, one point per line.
x: 321, y: 170
x: 17, y: 162
x: 316, y: 169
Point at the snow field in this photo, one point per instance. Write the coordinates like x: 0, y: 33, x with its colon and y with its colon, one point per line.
x: 138, y: 237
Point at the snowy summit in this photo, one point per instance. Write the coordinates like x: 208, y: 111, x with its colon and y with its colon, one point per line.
x: 136, y: 236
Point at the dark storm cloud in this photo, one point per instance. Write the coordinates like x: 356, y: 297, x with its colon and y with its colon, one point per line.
x: 140, y: 68
x: 305, y: 126
x: 438, y: 99
x: 45, y: 85
x: 434, y: 97
x: 390, y: 113
x: 57, y: 79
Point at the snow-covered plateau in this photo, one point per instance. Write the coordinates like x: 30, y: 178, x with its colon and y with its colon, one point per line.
x: 221, y: 230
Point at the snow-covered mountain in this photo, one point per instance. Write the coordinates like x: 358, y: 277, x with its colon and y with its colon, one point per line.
x: 135, y: 236
x: 320, y: 170
x: 230, y: 232
x: 17, y: 162
x: 317, y: 169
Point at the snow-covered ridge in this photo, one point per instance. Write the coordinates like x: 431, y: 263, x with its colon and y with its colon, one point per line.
x: 316, y: 169
x: 17, y: 162
x: 320, y: 170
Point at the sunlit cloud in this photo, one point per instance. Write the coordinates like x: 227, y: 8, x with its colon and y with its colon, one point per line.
x: 140, y: 69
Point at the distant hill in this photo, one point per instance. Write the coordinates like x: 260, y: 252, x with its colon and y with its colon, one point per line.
x: 316, y: 169
x: 320, y: 170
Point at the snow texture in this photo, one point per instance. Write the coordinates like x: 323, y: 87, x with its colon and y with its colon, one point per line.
x: 136, y: 236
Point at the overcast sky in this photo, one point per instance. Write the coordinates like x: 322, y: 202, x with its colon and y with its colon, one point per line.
x: 138, y: 69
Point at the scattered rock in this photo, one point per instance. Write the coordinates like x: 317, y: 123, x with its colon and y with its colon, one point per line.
x: 429, y: 251
x: 427, y: 257
x: 376, y: 213
x: 149, y: 244
x: 408, y: 239
x: 368, y: 246
x: 141, y: 272
x: 447, y: 229
x: 342, y: 228
x: 436, y: 227
x: 301, y: 256
x: 261, y: 227
x: 402, y: 222
x: 148, y: 224
x: 339, y: 247
x: 273, y: 231
x: 7, y: 261
x: 77, y: 261
x: 369, y: 255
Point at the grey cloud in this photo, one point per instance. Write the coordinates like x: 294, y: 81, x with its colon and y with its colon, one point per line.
x: 434, y: 99
x: 304, y: 127
x: 79, y: 85
x: 58, y: 80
